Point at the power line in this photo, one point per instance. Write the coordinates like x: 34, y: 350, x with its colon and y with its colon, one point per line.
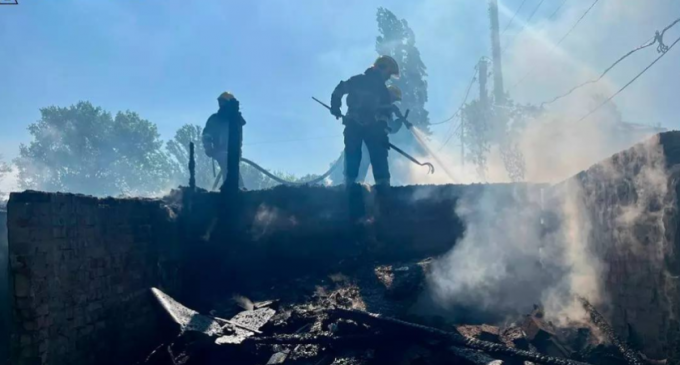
x: 467, y: 93
x: 577, y: 22
x: 630, y: 82
x: 593, y: 81
x: 460, y: 108
x: 658, y: 38
x: 521, y: 30
x: 556, y: 10
x: 451, y: 136
x: 292, y: 140
x: 513, y: 17
x: 557, y: 44
x: 533, y: 12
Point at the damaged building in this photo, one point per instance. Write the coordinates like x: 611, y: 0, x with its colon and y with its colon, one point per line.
x: 289, y: 281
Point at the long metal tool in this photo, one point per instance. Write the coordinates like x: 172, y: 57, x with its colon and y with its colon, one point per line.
x: 429, y: 166
x: 411, y: 158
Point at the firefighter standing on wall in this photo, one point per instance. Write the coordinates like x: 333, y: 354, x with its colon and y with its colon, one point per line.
x: 392, y: 117
x: 223, y: 138
x: 366, y: 94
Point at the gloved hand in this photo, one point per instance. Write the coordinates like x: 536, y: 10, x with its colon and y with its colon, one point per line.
x: 406, y: 123
x: 336, y: 112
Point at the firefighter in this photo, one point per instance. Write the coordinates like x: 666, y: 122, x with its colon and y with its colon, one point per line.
x: 366, y: 94
x: 391, y: 116
x: 222, y: 140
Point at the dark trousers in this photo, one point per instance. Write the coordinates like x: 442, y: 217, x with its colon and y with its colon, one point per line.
x: 377, y: 143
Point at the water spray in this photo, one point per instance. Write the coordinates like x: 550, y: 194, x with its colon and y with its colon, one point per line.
x: 421, y: 141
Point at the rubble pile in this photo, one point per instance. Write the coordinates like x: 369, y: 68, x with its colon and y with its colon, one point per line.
x: 371, y: 316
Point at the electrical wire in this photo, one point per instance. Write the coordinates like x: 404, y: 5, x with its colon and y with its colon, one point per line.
x: 467, y: 93
x: 658, y: 38
x: 455, y: 132
x: 530, y: 72
x: 292, y: 140
x: 460, y: 108
x: 552, y: 16
x: 577, y: 22
x: 593, y: 81
x: 630, y: 82
x: 512, y: 40
x: 514, y: 16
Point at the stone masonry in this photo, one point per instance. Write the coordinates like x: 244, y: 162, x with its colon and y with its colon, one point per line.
x: 4, y: 293
x: 631, y: 200
x: 81, y: 269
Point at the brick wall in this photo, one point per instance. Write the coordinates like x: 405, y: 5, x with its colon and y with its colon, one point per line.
x: 81, y: 268
x: 4, y: 292
x: 632, y: 201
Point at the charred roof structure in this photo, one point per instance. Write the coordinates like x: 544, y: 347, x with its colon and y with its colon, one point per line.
x: 288, y: 280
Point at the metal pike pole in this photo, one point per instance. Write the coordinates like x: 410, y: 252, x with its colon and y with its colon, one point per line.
x: 399, y: 150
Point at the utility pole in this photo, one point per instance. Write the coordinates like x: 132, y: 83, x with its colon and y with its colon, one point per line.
x: 462, y: 143
x: 483, y: 71
x: 499, y: 96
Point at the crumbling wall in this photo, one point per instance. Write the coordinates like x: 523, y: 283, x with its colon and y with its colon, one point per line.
x: 632, y: 202
x: 4, y: 289
x: 81, y: 268
x: 291, y: 231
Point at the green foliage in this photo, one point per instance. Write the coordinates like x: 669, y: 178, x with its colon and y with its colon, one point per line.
x: 397, y: 40
x: 500, y: 126
x: 84, y: 149
x: 477, y: 132
x: 178, y: 148
x: 4, y: 170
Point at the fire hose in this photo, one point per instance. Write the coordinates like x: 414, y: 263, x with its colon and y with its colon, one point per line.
x: 390, y: 145
x: 276, y: 178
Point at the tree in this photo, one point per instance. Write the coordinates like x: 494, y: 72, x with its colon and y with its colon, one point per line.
x: 178, y: 148
x: 4, y: 170
x: 499, y: 126
x: 397, y: 40
x: 84, y: 149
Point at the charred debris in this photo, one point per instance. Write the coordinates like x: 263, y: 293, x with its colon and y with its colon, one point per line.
x: 366, y: 313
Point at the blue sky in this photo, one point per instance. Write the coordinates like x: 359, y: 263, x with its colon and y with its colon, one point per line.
x: 168, y: 61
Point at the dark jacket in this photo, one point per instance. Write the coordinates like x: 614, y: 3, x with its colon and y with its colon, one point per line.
x: 216, y: 132
x: 366, y: 93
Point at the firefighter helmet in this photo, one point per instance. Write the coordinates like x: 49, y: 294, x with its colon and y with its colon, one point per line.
x: 226, y: 96
x: 387, y: 64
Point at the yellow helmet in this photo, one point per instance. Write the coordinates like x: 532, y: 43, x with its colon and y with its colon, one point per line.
x: 388, y: 64
x: 395, y: 92
x: 226, y: 96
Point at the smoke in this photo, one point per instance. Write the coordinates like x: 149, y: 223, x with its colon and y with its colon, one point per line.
x: 243, y: 302
x: 514, y: 254
x: 543, y: 244
x: 8, y: 183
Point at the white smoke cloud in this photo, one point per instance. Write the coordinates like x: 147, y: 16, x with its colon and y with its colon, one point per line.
x: 515, y: 253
